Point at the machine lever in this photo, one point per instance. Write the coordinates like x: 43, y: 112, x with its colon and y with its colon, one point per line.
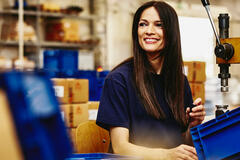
x: 205, y: 2
x: 206, y: 6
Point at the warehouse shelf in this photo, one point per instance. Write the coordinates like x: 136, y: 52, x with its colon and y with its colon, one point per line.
x: 15, y: 43
x: 66, y: 45
x: 37, y: 18
x: 15, y: 12
x: 51, y: 14
x: 50, y: 44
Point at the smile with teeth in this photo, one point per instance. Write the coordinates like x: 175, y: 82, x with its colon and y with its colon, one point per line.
x: 151, y: 40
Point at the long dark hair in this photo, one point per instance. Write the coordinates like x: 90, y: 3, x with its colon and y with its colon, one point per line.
x: 172, y: 68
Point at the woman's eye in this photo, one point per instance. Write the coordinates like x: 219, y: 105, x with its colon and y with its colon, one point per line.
x: 159, y: 25
x: 142, y: 24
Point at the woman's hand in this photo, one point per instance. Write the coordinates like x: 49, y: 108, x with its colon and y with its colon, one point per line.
x: 183, y: 152
x: 197, y: 115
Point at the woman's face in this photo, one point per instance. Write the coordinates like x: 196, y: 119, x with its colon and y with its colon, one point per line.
x: 150, y: 31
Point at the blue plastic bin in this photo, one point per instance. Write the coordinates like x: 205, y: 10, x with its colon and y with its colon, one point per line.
x: 106, y: 156
x: 36, y: 114
x: 96, y: 82
x: 68, y: 60
x: 60, y: 60
x: 91, y: 75
x: 50, y: 59
x: 48, y: 73
x: 100, y: 83
x: 218, y: 138
x: 68, y: 74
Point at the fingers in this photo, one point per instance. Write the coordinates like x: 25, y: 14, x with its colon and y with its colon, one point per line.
x: 198, y: 108
x: 183, y: 156
x: 187, y: 152
x: 190, y: 149
x: 188, y: 110
x: 198, y: 111
x: 198, y: 101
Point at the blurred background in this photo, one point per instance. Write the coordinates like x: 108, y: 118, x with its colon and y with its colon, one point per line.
x: 85, y: 39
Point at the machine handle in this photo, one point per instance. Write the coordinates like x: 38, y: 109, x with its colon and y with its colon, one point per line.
x: 205, y: 2
x: 206, y: 6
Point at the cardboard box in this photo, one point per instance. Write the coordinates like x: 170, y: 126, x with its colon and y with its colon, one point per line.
x: 71, y: 90
x: 93, y: 104
x: 79, y: 113
x: 74, y: 114
x: 189, y: 70
x: 195, y: 71
x: 200, y: 71
x: 61, y: 89
x: 70, y: 29
x: 93, y: 109
x: 66, y: 114
x: 198, y: 91
x: 78, y: 90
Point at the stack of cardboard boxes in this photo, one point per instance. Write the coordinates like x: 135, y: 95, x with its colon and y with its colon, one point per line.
x: 73, y: 95
x: 195, y: 72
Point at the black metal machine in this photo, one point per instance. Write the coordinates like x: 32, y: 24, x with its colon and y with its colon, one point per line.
x: 227, y: 50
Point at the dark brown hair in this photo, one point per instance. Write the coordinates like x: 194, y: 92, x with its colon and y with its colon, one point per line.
x: 172, y: 68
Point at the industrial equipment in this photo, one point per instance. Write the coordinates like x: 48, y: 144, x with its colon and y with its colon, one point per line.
x: 210, y: 137
x: 227, y: 49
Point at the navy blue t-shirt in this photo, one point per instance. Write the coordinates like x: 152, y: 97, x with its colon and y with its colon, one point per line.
x: 120, y: 106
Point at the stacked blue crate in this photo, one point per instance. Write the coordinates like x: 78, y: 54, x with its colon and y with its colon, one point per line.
x: 64, y: 64
x: 68, y: 63
x: 36, y: 114
x: 51, y: 63
x: 61, y: 63
x: 96, y: 82
x: 100, y: 78
x: 91, y: 75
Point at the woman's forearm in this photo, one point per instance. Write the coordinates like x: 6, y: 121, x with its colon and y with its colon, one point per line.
x: 187, y: 137
x: 130, y: 149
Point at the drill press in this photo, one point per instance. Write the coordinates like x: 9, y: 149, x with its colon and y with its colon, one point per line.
x: 227, y: 51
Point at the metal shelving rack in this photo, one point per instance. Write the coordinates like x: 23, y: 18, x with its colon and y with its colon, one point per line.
x: 39, y: 44
x: 48, y: 15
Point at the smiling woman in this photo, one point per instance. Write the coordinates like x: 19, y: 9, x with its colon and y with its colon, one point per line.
x: 146, y: 99
x: 150, y: 31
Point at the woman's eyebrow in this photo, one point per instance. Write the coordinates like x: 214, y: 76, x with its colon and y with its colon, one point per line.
x: 157, y: 21
x: 160, y: 21
x: 144, y: 20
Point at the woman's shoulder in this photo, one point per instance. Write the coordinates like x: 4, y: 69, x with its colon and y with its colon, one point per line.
x: 121, y: 72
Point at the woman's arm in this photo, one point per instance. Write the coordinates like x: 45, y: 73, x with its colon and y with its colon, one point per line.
x: 121, y: 145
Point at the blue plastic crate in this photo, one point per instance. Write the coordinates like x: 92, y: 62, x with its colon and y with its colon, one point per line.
x: 91, y: 75
x: 48, y: 73
x: 51, y: 60
x: 106, y: 156
x: 36, y: 114
x: 96, y: 82
x: 218, y: 138
x: 68, y: 74
x: 68, y: 60
x: 60, y: 60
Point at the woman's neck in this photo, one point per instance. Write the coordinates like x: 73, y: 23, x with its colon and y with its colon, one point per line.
x: 156, y: 61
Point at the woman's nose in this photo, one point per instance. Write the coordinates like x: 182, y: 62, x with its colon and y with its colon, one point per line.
x: 150, y: 29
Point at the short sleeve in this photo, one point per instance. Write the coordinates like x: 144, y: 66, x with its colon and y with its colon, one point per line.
x: 188, y: 100
x: 113, y: 111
